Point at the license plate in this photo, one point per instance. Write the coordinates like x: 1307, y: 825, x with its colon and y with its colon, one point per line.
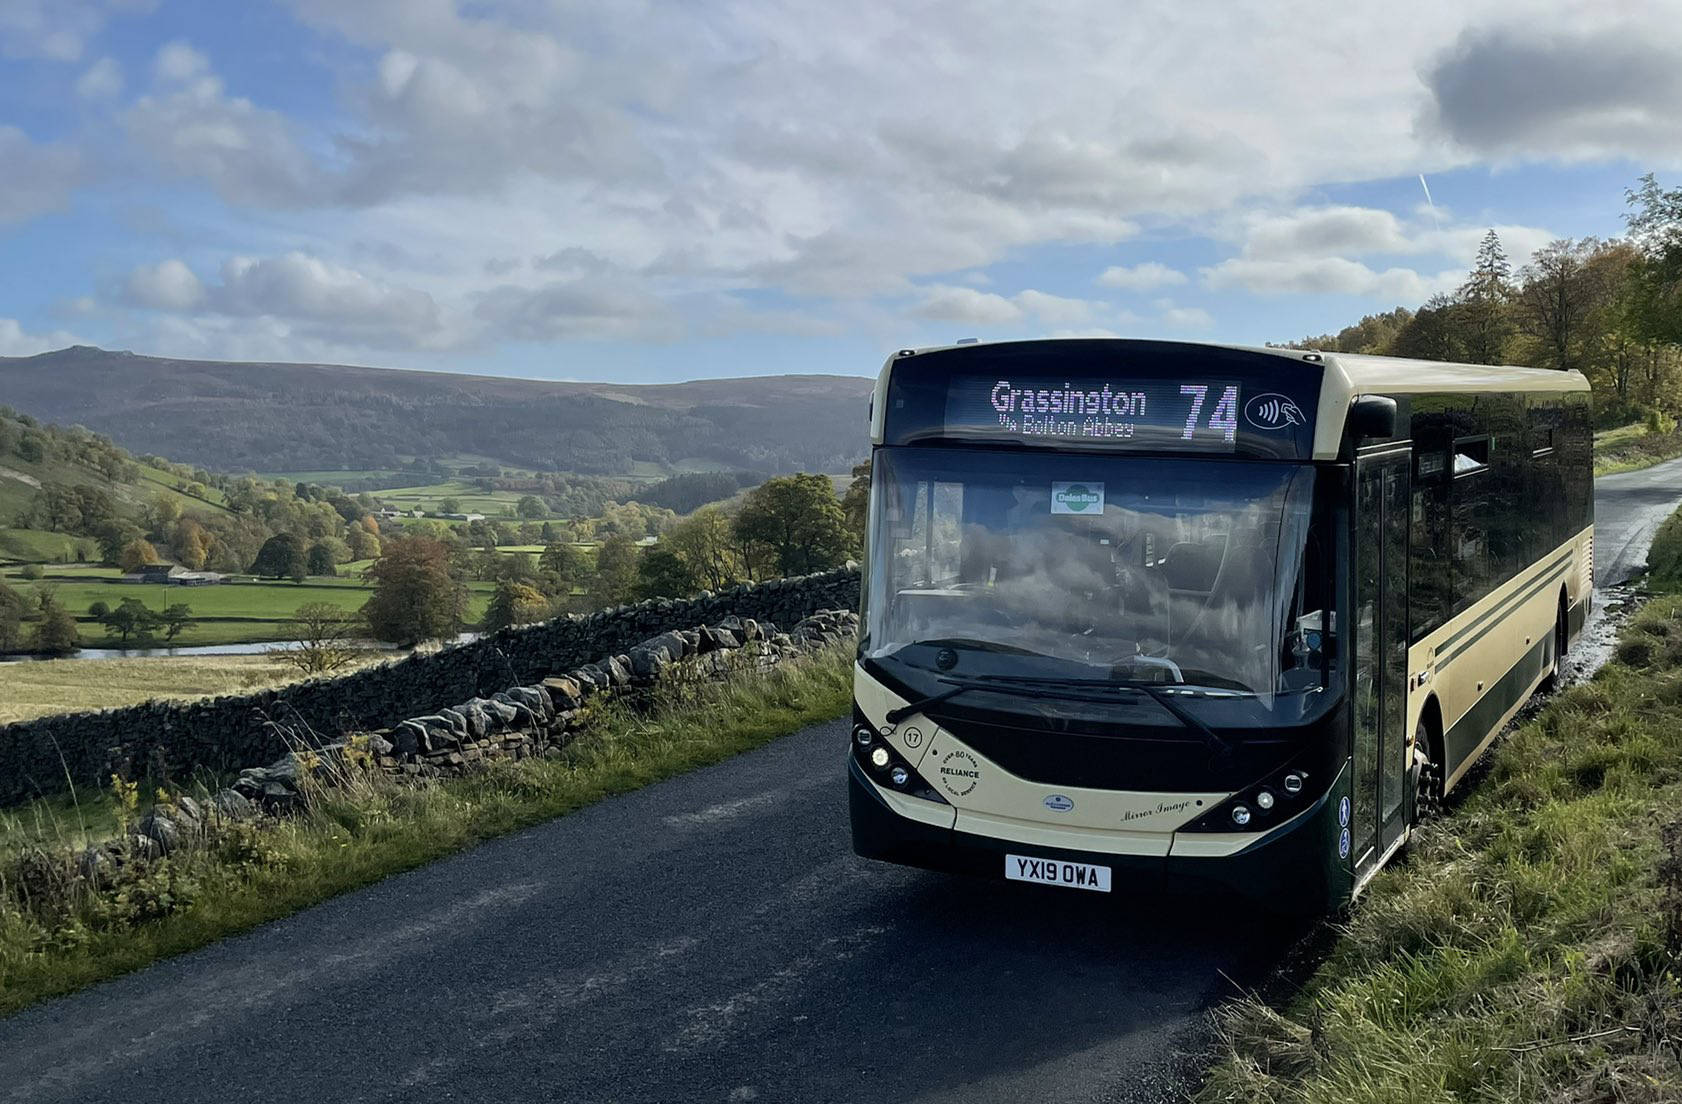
x: 1022, y: 868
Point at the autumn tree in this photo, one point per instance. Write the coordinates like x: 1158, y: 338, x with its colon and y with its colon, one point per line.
x: 706, y: 544
x: 514, y: 603
x: 415, y: 596
x: 136, y: 554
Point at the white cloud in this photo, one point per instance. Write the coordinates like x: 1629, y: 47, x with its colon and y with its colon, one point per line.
x: 37, y: 178
x: 247, y: 153
x: 102, y: 80
x: 1146, y: 276
x: 15, y: 342
x: 953, y: 303
x: 582, y: 308
x: 327, y: 302
x: 1309, y: 275
x: 1187, y: 318
x: 1056, y: 308
x: 963, y: 304
x: 168, y: 285
x: 177, y: 62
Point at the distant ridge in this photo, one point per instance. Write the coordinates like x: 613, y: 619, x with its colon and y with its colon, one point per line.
x: 248, y: 416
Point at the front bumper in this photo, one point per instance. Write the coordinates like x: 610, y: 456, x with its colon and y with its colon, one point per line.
x: 1294, y: 868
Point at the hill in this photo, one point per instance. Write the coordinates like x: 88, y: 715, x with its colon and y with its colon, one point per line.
x: 235, y: 416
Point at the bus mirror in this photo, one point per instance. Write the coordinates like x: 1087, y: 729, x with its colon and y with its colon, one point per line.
x: 1372, y: 416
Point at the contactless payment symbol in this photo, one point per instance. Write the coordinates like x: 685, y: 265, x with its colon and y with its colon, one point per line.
x: 1273, y: 411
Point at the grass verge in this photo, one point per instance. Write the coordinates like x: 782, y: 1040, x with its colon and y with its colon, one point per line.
x: 1529, y: 948
x: 56, y: 936
x: 1622, y: 451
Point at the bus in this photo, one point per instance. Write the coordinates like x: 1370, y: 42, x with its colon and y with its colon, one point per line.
x: 1144, y: 615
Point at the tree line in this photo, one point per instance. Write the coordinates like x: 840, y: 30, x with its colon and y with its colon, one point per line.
x: 1609, y: 308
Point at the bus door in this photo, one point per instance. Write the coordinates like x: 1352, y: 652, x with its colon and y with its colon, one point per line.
x: 1378, y: 817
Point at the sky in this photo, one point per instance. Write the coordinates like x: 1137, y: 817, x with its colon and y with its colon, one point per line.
x: 645, y: 191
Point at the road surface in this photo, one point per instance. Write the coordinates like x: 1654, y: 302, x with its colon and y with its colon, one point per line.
x: 1627, y: 510
x: 710, y: 938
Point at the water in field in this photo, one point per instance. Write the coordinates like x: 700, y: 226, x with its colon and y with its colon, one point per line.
x: 253, y: 648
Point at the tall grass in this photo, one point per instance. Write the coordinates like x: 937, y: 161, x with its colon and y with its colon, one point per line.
x: 1528, y: 949
x: 58, y: 933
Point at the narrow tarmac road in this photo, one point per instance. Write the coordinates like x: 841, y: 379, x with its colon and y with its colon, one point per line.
x: 710, y: 938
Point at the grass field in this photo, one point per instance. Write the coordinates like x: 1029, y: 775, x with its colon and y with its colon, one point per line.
x: 352, y: 836
x: 37, y: 689
x: 39, y: 546
x: 429, y: 496
x: 239, y: 612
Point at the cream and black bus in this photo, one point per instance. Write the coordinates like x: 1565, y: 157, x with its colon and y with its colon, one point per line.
x: 1143, y: 613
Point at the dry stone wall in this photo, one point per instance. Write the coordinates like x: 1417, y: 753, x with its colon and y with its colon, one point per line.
x: 224, y: 734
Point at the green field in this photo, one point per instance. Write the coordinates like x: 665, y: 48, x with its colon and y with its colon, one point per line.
x: 473, y: 501
x: 240, y: 612
x: 39, y: 546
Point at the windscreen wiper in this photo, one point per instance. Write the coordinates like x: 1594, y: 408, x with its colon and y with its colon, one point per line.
x: 956, y: 687
x: 1153, y: 690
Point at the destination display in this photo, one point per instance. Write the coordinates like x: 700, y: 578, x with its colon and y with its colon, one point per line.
x: 1181, y: 414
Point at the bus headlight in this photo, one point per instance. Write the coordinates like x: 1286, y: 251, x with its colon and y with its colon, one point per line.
x: 1241, y: 815
x: 879, y: 757
x: 1264, y: 800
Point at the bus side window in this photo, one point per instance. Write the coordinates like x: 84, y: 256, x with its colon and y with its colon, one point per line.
x: 1469, y: 499
x: 1430, y: 577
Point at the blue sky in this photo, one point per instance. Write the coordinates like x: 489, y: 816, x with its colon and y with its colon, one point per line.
x: 651, y: 191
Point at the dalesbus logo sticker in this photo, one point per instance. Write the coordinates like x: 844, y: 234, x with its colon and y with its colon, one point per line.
x: 1077, y: 498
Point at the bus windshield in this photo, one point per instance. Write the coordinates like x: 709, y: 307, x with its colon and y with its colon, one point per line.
x: 1204, y: 573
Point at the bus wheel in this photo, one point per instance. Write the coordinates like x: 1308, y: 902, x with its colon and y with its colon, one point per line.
x: 1561, y: 642
x: 1428, y: 790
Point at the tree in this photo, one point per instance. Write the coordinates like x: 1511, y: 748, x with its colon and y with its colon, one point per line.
x: 855, y: 504
x: 324, y: 640
x: 449, y: 505
x: 514, y: 603
x: 319, y: 560
x: 55, y: 633
x: 615, y: 580
x: 796, y: 522
x: 175, y: 618
x: 530, y: 506
x: 132, y: 621
x: 191, y: 543
x: 281, y: 557
x: 363, y: 544
x: 706, y: 544
x: 415, y: 596
x: 136, y: 554
x: 11, y: 619
x: 98, y: 610
x: 1483, y: 303
x: 661, y: 573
